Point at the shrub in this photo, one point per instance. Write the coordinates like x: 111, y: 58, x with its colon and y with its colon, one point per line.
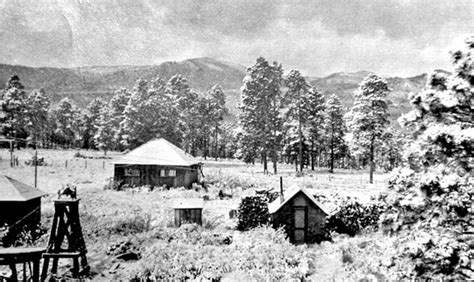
x: 352, y: 217
x: 21, y: 237
x: 253, y: 212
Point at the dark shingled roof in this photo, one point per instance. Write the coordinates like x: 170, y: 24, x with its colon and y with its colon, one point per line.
x: 12, y: 190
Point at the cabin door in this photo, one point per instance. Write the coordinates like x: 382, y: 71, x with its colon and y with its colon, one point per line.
x: 299, y: 228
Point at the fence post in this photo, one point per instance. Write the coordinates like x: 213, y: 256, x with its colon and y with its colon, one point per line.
x: 85, y: 163
x: 66, y: 164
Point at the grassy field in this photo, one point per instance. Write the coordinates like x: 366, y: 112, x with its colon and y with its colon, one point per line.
x: 144, y: 218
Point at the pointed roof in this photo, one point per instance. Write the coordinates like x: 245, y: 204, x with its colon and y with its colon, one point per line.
x: 158, y: 152
x: 274, y: 206
x: 12, y: 190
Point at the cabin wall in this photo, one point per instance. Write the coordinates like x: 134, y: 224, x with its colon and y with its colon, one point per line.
x: 13, y: 212
x: 138, y: 175
x: 182, y: 216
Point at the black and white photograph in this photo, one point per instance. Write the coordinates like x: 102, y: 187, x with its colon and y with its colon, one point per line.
x: 236, y: 140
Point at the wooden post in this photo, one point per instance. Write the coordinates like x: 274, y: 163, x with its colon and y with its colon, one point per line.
x: 281, y: 189
x: 36, y: 168
x: 65, y: 164
x: 11, y: 154
x: 85, y: 163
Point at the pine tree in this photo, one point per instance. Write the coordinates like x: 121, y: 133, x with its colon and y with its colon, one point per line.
x: 334, y: 129
x: 104, y: 136
x: 368, y: 118
x: 297, y: 97
x: 432, y: 195
x: 151, y: 111
x: 315, y: 121
x: 65, y: 117
x: 116, y: 114
x: 260, y: 110
x: 217, y: 110
x: 89, y: 122
x: 37, y: 116
x: 14, y: 108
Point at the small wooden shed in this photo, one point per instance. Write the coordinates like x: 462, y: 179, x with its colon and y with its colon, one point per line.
x: 188, y: 211
x: 20, y: 204
x: 298, y: 212
x: 158, y: 163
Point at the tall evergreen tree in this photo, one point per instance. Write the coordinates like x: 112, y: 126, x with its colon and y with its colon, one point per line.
x: 116, y: 109
x: 368, y: 118
x: 334, y: 128
x: 37, y: 116
x: 65, y: 117
x: 217, y: 110
x: 297, y: 109
x: 14, y: 108
x: 432, y: 195
x: 104, y: 136
x: 260, y: 109
x: 315, y: 121
x: 90, y: 121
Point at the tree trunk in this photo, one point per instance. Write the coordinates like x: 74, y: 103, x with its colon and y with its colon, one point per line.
x: 312, y: 155
x: 331, y: 168
x: 265, y: 164
x: 215, y: 142
x: 205, y: 148
x: 372, y: 163
x: 274, y: 157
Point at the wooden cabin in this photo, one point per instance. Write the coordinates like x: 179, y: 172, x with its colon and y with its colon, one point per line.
x: 188, y: 211
x: 302, y: 217
x: 158, y: 163
x: 20, y: 204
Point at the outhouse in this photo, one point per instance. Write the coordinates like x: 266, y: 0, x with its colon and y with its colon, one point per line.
x: 20, y: 204
x: 302, y: 217
x: 188, y: 211
x: 158, y: 163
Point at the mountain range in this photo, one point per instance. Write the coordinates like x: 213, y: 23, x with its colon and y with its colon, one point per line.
x: 82, y: 84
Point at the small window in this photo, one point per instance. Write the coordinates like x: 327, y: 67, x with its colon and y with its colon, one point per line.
x: 132, y: 172
x: 168, y: 173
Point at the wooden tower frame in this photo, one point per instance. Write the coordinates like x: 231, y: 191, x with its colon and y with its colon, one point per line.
x: 66, y: 227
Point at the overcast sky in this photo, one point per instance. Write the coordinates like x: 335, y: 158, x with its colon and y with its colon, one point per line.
x: 317, y: 37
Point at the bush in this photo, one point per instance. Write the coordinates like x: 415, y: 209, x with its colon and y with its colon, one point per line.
x: 253, y: 212
x: 22, y: 237
x: 352, y: 217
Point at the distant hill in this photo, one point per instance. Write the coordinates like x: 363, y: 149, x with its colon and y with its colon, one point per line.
x: 84, y: 83
x: 345, y: 84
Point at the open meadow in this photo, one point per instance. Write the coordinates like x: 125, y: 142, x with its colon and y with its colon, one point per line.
x: 141, y: 221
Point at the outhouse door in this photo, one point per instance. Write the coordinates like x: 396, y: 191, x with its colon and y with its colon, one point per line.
x: 299, y: 228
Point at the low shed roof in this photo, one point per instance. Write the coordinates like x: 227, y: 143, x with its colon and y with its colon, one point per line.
x: 194, y: 203
x: 158, y: 152
x: 274, y: 206
x: 12, y: 190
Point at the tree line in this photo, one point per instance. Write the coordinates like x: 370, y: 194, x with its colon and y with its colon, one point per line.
x: 282, y: 119
x: 285, y: 118
x: 155, y: 108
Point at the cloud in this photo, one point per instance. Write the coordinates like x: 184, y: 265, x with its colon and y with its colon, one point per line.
x: 315, y: 36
